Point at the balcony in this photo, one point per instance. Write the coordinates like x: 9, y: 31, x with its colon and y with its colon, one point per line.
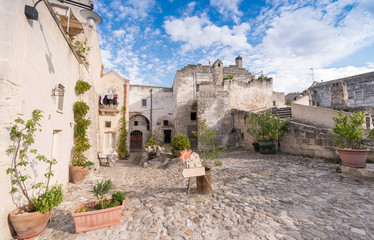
x: 108, y: 109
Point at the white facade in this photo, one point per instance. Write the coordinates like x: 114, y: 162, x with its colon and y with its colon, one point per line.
x: 35, y: 58
x: 140, y: 111
x: 110, y: 114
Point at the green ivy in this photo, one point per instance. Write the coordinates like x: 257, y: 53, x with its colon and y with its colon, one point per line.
x: 81, y: 87
x: 122, y: 147
x: 81, y: 140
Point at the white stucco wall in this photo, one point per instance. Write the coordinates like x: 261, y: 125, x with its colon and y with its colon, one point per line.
x: 112, y: 80
x: 34, y: 58
x: 162, y: 106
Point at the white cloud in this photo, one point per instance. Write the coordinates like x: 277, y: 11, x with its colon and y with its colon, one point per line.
x: 119, y: 33
x: 229, y: 8
x: 196, y: 32
x: 299, y: 38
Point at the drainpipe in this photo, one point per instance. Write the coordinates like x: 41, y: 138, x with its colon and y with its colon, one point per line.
x: 150, y: 126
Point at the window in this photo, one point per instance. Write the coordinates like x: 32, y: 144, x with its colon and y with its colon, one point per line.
x: 108, y: 124
x: 193, y: 116
x: 109, y: 140
x: 359, y: 95
x: 59, y: 93
x: 136, y: 123
x: 166, y: 122
x: 274, y: 103
x: 144, y: 102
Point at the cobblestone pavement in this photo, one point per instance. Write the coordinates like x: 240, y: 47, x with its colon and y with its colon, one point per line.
x: 256, y: 197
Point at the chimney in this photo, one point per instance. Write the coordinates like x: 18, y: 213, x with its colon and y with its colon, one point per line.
x: 238, y: 62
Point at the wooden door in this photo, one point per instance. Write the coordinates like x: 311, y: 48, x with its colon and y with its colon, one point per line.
x: 136, y: 140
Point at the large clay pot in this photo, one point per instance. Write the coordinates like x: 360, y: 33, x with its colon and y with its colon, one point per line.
x: 78, y: 173
x: 355, y: 158
x: 28, y: 225
x: 202, y: 184
x: 86, y: 221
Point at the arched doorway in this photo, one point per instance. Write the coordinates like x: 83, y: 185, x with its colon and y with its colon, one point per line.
x: 136, y: 140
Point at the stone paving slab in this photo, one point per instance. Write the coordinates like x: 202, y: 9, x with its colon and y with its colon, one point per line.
x: 256, y: 197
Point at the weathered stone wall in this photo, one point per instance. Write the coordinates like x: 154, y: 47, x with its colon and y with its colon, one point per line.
x: 322, y: 92
x: 315, y: 116
x: 300, y: 139
x: 339, y: 95
x: 213, y: 104
x: 200, y: 88
x: 279, y: 99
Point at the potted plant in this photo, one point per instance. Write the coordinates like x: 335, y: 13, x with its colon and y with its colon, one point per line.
x: 101, y: 213
x: 348, y: 134
x: 80, y: 164
x: 122, y: 147
x: 209, y: 153
x: 180, y: 143
x: 266, y: 130
x: 31, y: 219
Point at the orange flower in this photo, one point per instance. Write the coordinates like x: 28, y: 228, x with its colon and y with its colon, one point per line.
x: 185, y: 154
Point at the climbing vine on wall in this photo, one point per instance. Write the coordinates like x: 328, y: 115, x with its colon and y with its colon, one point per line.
x: 122, y: 147
x: 81, y: 140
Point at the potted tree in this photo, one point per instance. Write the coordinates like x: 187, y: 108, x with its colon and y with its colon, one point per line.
x: 266, y: 130
x: 348, y: 132
x: 101, y: 213
x: 31, y: 219
x: 80, y: 164
x: 122, y: 147
x: 180, y: 143
x: 209, y: 153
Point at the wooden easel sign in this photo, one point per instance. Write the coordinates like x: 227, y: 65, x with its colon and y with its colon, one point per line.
x: 194, y: 167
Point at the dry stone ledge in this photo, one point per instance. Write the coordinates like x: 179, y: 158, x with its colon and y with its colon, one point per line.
x: 256, y: 197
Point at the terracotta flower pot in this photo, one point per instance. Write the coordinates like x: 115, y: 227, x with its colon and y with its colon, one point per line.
x: 28, y: 225
x: 86, y: 221
x: 78, y: 173
x: 202, y: 184
x: 355, y: 158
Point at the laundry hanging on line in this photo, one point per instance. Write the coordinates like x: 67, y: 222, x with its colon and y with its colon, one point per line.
x: 108, y: 99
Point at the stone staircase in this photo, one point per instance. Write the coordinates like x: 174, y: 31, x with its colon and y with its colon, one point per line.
x: 282, y: 113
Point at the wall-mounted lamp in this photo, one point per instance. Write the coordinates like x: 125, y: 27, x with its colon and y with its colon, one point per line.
x: 87, y: 12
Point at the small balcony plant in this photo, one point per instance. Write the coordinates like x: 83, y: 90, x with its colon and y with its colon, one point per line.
x: 101, y: 213
x: 348, y: 135
x: 40, y: 196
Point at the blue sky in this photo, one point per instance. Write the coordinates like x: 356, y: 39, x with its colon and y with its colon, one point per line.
x: 293, y: 41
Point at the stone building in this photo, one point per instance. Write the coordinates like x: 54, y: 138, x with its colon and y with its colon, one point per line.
x: 151, y: 111
x: 354, y: 91
x: 113, y: 96
x: 38, y: 70
x: 203, y: 92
